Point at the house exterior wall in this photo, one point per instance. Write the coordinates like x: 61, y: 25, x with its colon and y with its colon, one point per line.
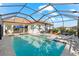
x: 32, y: 28
x: 7, y: 29
x: 37, y: 28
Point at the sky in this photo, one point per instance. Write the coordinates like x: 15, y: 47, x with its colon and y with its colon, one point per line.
x: 36, y: 16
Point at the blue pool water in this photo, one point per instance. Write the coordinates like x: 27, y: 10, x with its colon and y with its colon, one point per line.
x: 36, y: 46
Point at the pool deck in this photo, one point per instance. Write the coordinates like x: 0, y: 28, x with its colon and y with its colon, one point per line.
x: 66, y: 52
x: 6, y: 47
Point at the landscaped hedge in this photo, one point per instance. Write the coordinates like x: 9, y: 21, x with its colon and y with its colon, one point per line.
x: 71, y: 31
x: 63, y: 30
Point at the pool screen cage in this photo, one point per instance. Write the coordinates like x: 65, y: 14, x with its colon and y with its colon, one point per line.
x: 56, y: 13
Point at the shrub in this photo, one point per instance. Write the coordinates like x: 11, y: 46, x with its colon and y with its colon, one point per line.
x: 55, y: 30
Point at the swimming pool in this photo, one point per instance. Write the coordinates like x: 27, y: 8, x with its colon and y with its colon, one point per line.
x: 29, y: 45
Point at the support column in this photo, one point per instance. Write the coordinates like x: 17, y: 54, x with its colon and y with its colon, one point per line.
x: 78, y: 27
x: 46, y: 27
x: 29, y: 29
x: 1, y: 27
x: 24, y: 29
x: 49, y: 27
x: 4, y: 27
x: 12, y: 29
x: 1, y: 31
x: 39, y: 27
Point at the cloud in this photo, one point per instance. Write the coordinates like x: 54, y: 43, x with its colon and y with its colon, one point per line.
x: 54, y: 13
x: 74, y: 10
x: 49, y: 8
x: 1, y: 4
x: 60, y: 19
x: 53, y: 19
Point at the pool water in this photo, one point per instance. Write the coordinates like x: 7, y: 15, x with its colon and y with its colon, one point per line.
x: 29, y: 45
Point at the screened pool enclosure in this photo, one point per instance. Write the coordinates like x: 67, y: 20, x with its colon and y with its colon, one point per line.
x: 58, y: 14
